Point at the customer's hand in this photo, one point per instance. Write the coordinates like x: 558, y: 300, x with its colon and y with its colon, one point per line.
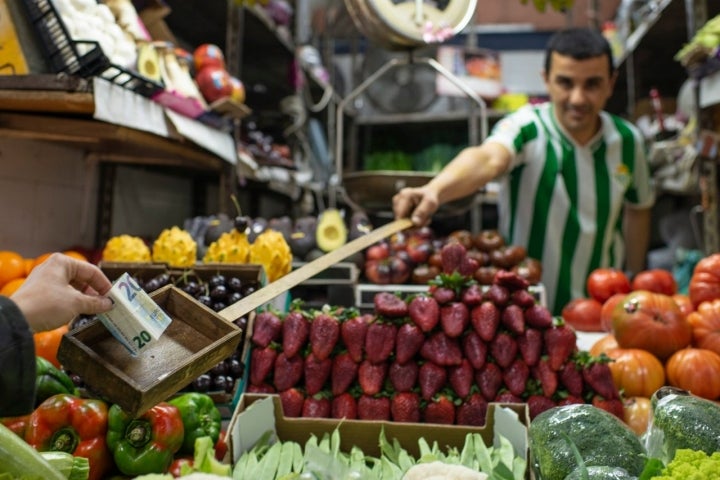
x: 418, y: 203
x: 59, y: 289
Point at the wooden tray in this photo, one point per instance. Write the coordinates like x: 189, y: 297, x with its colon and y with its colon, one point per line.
x: 196, y: 340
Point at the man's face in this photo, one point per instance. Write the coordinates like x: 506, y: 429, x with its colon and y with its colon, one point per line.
x: 579, y: 90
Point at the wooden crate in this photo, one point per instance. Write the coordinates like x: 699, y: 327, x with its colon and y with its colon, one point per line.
x: 196, y: 340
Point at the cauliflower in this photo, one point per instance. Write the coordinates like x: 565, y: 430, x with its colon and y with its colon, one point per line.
x: 442, y: 471
x: 692, y: 465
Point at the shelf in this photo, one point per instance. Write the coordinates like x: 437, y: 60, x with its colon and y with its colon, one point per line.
x: 643, y: 28
x: 419, y: 117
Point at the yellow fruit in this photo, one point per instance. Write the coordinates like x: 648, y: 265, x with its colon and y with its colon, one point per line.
x: 176, y: 247
x: 126, y: 248
x: 231, y: 247
x: 272, y: 252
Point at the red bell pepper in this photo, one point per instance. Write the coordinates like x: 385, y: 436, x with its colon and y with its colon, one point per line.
x: 17, y: 425
x: 66, y: 423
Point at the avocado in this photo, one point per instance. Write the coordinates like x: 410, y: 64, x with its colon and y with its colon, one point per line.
x: 302, y: 237
x: 331, y: 231
x: 216, y: 226
x: 359, y: 225
x: 148, y: 62
x: 284, y: 225
x: 313, y: 254
x: 257, y: 226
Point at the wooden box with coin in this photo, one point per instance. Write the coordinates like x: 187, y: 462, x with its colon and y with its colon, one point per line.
x: 196, y: 340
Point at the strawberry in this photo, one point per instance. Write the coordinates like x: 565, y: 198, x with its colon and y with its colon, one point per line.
x: 467, y: 267
x: 510, y: 280
x: 512, y: 319
x: 403, y: 377
x: 546, y: 377
x: 452, y: 256
x: 472, y: 411
x: 324, y: 334
x: 472, y: 295
x: 530, y: 344
x: 515, y: 377
x: 489, y: 379
x: 390, y: 305
x: 538, y: 404
x: 408, y: 341
x: 262, y: 388
x: 262, y: 362
x: 454, y: 318
x: 288, y: 371
x: 380, y: 341
x: 373, y: 408
x: 443, y: 295
x: 612, y: 405
x: 317, y: 373
x: 292, y: 401
x: 440, y: 410
x: 498, y: 295
x: 353, y: 332
x: 571, y: 378
x: 506, y: 396
x: 460, y: 378
x: 343, y: 373
x: 474, y: 349
x: 442, y: 350
x: 522, y: 298
x: 266, y: 328
x: 598, y: 377
x: 343, y: 406
x: 371, y: 376
x: 570, y: 400
x: 295, y: 332
x: 503, y: 349
x: 538, y: 316
x: 432, y: 378
x: 424, y: 311
x: 560, y: 343
x: 316, y: 406
x: 485, y: 319
x: 405, y: 407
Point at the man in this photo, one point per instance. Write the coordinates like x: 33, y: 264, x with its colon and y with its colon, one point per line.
x: 572, y: 176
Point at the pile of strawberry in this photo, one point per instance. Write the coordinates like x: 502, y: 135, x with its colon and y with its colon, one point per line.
x: 436, y: 357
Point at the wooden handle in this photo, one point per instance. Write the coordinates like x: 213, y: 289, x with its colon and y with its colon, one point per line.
x: 272, y: 290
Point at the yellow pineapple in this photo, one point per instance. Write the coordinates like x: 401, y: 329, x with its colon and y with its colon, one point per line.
x: 176, y: 247
x: 231, y: 247
x: 126, y: 248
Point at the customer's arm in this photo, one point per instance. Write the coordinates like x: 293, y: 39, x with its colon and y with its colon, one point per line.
x: 636, y: 226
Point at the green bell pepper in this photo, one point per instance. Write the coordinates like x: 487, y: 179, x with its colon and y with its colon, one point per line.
x: 145, y: 444
x: 200, y: 417
x: 50, y: 380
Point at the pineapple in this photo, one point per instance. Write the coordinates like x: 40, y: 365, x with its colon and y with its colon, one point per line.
x: 176, y: 247
x: 272, y: 252
x: 126, y: 248
x: 231, y: 247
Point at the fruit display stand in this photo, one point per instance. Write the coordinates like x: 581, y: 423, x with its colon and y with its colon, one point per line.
x: 337, y: 285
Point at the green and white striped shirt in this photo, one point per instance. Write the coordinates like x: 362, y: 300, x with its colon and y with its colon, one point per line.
x: 563, y: 201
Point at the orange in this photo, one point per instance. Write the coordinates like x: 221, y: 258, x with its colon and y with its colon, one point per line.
x: 10, y: 287
x: 76, y: 254
x: 29, y: 264
x: 12, y: 266
x: 41, y: 258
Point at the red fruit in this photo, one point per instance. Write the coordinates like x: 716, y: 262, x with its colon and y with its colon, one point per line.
x: 262, y: 362
x: 538, y: 316
x: 343, y: 373
x: 238, y: 90
x: 484, y: 275
x: 373, y: 408
x: 214, y: 83
x: 390, y: 305
x: 440, y: 410
x: 405, y: 407
x: 474, y: 349
x: 316, y: 406
x: 288, y: 371
x: 530, y: 344
x: 489, y: 379
x: 292, y: 401
x: 498, y: 295
x: 485, y: 320
x: 324, y: 334
x: 503, y: 349
x: 403, y: 377
x: 560, y: 342
x: 461, y: 378
x: 572, y: 379
x: 515, y: 377
x: 472, y: 295
x: 603, y: 283
x: 546, y: 377
x: 583, y: 314
x: 522, y: 298
x: 598, y: 376
x: 266, y: 329
x: 353, y: 332
x: 208, y: 55
x: 371, y: 377
x: 378, y: 271
x: 454, y: 318
x: 432, y: 378
x: 378, y: 251
x: 570, y: 400
x: 512, y: 318
x: 380, y: 341
x: 295, y: 332
x: 606, y: 312
x: 506, y: 396
x: 613, y: 405
x: 443, y: 295
x: 656, y: 280
x: 317, y: 373
x: 538, y: 404
x: 408, y: 341
x: 424, y: 311
x: 418, y: 249
x: 262, y: 388
x: 467, y: 267
x: 441, y: 349
x: 472, y: 411
x: 510, y: 280
x: 451, y: 256
x: 343, y: 406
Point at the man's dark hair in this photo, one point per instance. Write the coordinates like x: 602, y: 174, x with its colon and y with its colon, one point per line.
x: 580, y: 44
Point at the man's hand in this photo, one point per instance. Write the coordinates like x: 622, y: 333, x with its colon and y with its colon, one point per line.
x: 418, y: 203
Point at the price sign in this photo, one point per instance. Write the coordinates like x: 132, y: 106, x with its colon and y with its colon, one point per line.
x: 135, y: 320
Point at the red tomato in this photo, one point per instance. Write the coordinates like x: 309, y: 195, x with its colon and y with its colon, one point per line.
x: 655, y: 280
x: 607, y: 309
x: 651, y: 321
x: 705, y: 280
x: 684, y: 303
x: 603, y: 283
x: 583, y: 314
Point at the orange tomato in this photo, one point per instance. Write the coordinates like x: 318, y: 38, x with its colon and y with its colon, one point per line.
x: 12, y: 266
x: 696, y: 370
x: 604, y: 344
x: 47, y: 343
x: 637, y: 412
x: 10, y: 287
x: 636, y: 372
